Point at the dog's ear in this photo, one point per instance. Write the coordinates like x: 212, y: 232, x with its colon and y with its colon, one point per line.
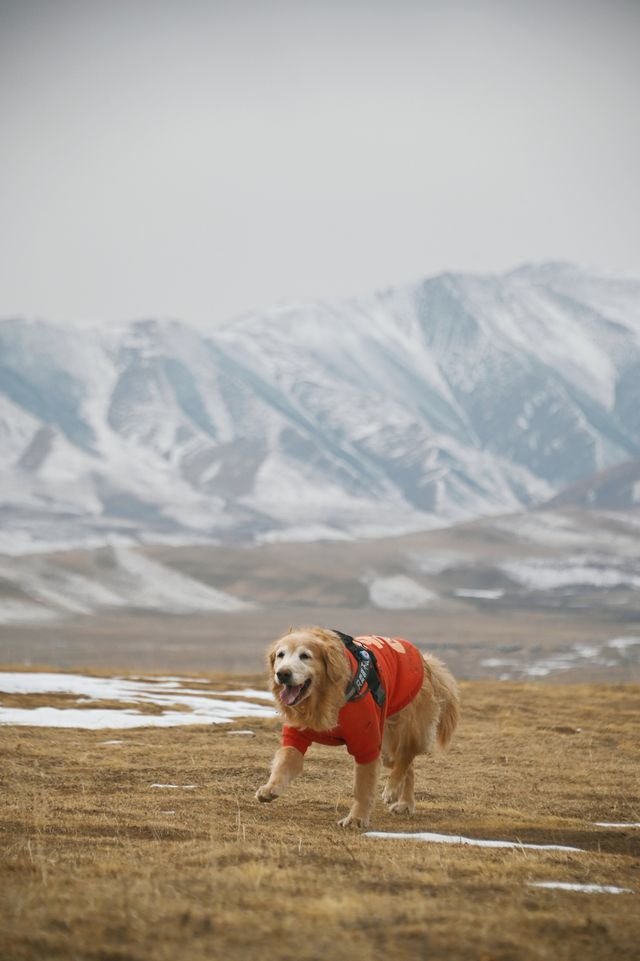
x: 271, y: 655
x: 335, y: 662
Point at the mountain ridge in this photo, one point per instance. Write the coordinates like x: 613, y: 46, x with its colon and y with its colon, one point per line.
x: 456, y: 397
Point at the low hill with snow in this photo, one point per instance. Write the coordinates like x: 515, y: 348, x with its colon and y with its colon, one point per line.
x: 543, y: 594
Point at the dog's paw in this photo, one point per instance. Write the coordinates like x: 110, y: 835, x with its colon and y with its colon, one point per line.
x: 353, y: 821
x: 265, y: 793
x: 389, y: 795
x: 403, y: 807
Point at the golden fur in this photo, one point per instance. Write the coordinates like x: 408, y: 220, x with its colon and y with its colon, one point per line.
x: 314, y: 659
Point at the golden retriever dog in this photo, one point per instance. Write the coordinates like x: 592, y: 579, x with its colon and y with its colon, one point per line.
x: 380, y: 696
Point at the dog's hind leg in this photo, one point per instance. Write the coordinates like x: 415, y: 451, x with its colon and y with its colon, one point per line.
x: 398, y: 790
x: 399, y: 747
x: 406, y: 803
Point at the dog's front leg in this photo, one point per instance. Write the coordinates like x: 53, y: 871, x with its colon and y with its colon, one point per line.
x: 287, y: 764
x: 364, y: 792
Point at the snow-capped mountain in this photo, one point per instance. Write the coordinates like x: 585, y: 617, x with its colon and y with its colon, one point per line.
x: 457, y: 397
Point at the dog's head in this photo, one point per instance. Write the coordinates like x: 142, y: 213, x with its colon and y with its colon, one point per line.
x: 309, y: 671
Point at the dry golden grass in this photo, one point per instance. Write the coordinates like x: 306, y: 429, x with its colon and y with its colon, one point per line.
x: 96, y: 864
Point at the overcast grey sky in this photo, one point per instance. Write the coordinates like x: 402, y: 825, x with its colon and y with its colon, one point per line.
x: 199, y: 159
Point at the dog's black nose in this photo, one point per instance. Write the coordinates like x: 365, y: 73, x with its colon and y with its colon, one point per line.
x: 284, y: 676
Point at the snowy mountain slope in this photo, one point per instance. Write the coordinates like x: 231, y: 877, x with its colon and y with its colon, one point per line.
x: 617, y: 488
x: 458, y: 397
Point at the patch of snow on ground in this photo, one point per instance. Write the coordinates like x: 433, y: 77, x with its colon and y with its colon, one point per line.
x: 184, y: 787
x: 617, y: 824
x: 168, y: 678
x: 399, y: 593
x: 607, y: 654
x: 196, y: 707
x: 563, y: 661
x: 514, y: 669
x: 584, y: 888
x: 97, y: 719
x: 458, y: 839
x: 246, y: 692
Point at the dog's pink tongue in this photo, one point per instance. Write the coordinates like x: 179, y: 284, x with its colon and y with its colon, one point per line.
x: 289, y: 694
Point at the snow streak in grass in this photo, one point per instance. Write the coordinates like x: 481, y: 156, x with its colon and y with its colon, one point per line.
x: 184, y: 787
x: 617, y: 824
x: 584, y: 888
x: 458, y: 839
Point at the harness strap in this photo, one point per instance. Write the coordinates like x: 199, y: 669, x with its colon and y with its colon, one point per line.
x: 366, y: 671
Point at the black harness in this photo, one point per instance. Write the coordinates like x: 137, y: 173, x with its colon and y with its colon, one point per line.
x: 366, y: 672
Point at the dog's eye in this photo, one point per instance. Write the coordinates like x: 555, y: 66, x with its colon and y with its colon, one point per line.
x: 280, y: 654
x: 304, y: 656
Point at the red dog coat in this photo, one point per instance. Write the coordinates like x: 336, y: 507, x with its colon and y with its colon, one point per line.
x: 361, y: 722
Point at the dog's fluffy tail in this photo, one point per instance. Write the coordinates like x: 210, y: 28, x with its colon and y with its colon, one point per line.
x: 447, y: 694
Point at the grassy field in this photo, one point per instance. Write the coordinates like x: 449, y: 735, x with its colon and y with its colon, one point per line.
x: 98, y: 864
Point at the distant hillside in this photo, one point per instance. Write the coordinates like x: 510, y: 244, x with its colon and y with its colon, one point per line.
x: 543, y: 594
x: 613, y: 489
x: 457, y: 397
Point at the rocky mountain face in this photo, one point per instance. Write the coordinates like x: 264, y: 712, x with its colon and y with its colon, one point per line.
x: 458, y: 397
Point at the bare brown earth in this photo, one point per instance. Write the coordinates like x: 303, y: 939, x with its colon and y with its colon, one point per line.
x: 97, y: 864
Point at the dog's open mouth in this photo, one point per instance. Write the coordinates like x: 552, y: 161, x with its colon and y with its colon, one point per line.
x: 292, y: 693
